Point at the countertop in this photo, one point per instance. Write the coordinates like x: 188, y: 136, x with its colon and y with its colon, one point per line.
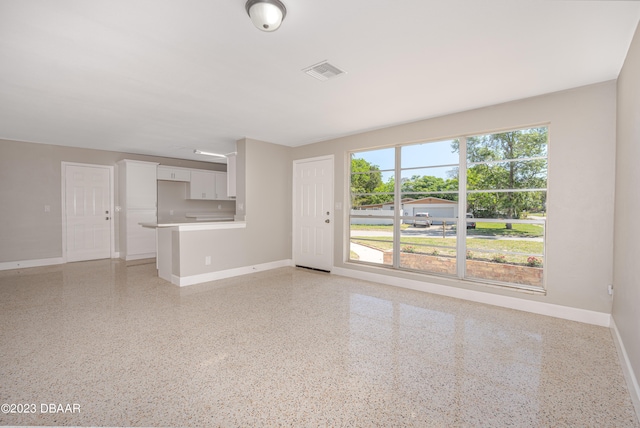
x: 201, y: 225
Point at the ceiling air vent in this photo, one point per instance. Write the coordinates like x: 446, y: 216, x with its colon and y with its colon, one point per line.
x: 323, y: 71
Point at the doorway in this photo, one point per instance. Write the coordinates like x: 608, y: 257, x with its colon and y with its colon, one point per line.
x: 313, y: 213
x: 87, y: 210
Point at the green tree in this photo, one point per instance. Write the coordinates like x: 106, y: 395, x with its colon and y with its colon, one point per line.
x: 428, y: 184
x: 511, y: 174
x: 365, y: 178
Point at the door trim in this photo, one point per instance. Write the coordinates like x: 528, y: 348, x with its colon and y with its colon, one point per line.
x: 293, y: 205
x: 112, y: 231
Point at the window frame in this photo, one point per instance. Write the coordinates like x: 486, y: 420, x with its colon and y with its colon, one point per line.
x: 462, y: 220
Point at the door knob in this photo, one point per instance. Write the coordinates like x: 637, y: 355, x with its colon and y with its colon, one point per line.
x: 327, y: 221
x: 107, y: 218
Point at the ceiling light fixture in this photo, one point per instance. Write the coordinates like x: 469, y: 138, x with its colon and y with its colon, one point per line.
x: 200, y: 152
x: 266, y: 15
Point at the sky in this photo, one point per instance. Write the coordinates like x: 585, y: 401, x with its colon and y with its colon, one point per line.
x: 418, y: 155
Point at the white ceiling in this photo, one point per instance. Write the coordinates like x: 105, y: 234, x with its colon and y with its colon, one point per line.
x: 165, y: 77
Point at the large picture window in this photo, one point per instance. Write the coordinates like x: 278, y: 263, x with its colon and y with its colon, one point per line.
x: 472, y: 207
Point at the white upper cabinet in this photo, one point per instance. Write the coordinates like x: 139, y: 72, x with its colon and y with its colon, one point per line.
x: 231, y: 176
x: 139, y: 185
x: 221, y: 185
x: 171, y: 173
x: 202, y: 185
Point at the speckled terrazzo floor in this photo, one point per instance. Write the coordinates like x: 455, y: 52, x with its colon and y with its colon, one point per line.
x: 291, y: 347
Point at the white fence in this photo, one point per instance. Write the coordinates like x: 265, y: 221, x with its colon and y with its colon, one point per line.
x: 372, y: 220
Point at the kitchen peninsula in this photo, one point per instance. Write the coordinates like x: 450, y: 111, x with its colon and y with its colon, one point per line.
x: 189, y: 253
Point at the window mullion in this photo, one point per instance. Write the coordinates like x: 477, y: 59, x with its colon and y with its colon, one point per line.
x: 461, y: 247
x: 397, y: 207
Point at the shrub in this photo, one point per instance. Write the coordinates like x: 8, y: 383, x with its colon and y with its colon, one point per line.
x: 534, y: 262
x: 435, y: 252
x: 499, y: 258
x: 469, y: 255
x: 409, y: 249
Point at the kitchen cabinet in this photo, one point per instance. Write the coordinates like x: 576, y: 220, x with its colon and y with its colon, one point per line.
x: 171, y: 173
x: 221, y: 186
x: 231, y: 176
x: 208, y: 185
x: 138, y: 198
x: 202, y: 185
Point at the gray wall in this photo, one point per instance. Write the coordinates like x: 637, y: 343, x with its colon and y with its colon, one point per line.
x: 582, y: 147
x: 30, y: 179
x: 626, y: 302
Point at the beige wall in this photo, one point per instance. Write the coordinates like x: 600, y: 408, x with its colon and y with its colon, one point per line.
x: 30, y: 179
x: 268, y: 187
x: 626, y: 302
x: 581, y: 184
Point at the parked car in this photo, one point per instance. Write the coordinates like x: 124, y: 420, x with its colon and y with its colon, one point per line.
x: 422, y: 219
x: 470, y: 224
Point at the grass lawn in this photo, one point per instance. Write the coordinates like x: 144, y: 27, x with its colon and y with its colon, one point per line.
x: 482, y: 229
x: 499, y: 229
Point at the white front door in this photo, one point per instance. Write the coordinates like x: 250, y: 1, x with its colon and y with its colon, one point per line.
x: 313, y: 213
x: 88, y: 212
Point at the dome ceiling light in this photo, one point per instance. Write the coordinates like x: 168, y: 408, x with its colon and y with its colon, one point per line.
x: 266, y: 15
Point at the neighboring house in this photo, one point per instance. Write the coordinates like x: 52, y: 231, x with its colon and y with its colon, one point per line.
x: 436, y: 207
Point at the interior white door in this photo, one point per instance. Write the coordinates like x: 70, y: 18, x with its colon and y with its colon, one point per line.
x: 313, y: 213
x: 88, y: 213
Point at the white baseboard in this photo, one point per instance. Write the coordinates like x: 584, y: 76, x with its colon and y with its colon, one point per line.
x: 31, y: 263
x: 222, y: 274
x: 629, y: 375
x: 140, y: 256
x: 549, y: 309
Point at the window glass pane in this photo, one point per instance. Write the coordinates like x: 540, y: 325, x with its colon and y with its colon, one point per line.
x: 491, y: 234
x: 433, y: 179
x: 431, y: 249
x: 371, y: 185
x: 504, y: 252
x: 430, y: 154
x: 514, y: 205
x: 530, y: 174
x: 437, y: 207
x: 371, y: 239
x: 365, y: 203
x: 380, y: 159
x: 525, y: 143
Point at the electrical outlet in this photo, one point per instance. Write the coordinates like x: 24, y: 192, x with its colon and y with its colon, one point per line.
x: 47, y: 208
x: 207, y: 260
x: 170, y: 212
x: 219, y: 206
x: 610, y: 289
